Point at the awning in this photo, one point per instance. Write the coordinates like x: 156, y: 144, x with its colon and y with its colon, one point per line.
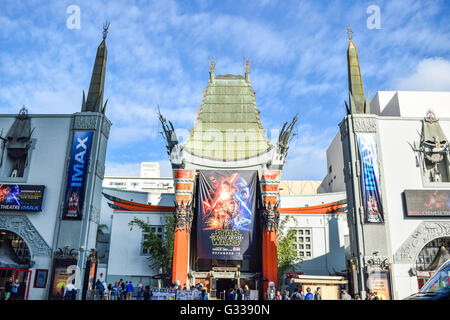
x: 319, y: 280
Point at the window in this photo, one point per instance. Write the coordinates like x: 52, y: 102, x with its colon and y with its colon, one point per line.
x: 302, y: 239
x: 158, y: 230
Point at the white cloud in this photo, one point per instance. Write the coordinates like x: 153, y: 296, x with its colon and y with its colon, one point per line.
x: 430, y: 75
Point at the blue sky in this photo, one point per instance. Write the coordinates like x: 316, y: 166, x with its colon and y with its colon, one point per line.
x: 158, y: 55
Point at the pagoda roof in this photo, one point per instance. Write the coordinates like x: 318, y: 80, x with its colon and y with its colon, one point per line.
x: 228, y: 127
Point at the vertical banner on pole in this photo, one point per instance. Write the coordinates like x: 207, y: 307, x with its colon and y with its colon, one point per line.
x: 370, y: 178
x: 77, y: 175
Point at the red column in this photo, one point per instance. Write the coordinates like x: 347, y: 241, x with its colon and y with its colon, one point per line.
x: 270, y: 181
x: 180, y: 256
x: 184, y: 186
x: 270, y: 259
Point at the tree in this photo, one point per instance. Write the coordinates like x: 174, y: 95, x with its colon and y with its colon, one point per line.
x: 160, y: 248
x: 286, y: 252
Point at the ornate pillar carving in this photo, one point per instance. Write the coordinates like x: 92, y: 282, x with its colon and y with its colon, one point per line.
x: 271, y: 217
x: 184, y: 215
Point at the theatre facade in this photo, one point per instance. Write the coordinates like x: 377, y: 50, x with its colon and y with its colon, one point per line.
x: 226, y: 201
x: 51, y: 172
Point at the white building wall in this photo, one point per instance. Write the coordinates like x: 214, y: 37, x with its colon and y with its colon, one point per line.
x: 400, y: 173
x: 125, y: 259
x: 45, y: 167
x: 328, y: 233
x: 334, y: 180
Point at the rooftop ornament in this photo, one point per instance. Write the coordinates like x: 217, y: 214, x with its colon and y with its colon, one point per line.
x: 212, y: 66
x: 433, y: 145
x: 105, y: 29
x: 349, y: 32
x: 247, y: 65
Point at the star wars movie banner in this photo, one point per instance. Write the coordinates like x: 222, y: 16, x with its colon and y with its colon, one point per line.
x: 77, y: 175
x: 226, y: 214
x: 370, y: 178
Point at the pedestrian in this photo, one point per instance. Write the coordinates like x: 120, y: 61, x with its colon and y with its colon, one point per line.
x: 302, y: 294
x: 203, y: 293
x: 109, y: 291
x: 309, y: 295
x: 195, y: 293
x: 317, y: 295
x: 140, y: 290
x: 246, y: 293
x: 70, y: 291
x: 345, y: 295
x: 368, y: 296
x: 375, y: 296
x: 100, y: 288
x: 14, y: 289
x: 114, y: 291
x: 129, y: 290
x: 122, y: 291
x: 296, y: 295
x: 286, y: 295
x: 271, y: 293
x: 148, y: 294
x: 357, y: 297
x: 8, y: 287
x: 230, y: 295
x: 105, y: 291
x: 279, y: 297
x: 239, y: 294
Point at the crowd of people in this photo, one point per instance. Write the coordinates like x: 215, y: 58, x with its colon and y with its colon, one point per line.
x: 239, y: 293
x: 299, y: 294
x: 122, y: 290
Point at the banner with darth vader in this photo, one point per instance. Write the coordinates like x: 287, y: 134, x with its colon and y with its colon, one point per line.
x: 226, y: 214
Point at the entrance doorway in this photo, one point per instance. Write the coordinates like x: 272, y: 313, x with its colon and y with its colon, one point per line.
x: 24, y: 277
x: 15, y: 260
x: 222, y: 287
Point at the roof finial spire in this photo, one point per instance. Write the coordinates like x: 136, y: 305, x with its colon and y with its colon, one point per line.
x: 247, y: 65
x: 349, y: 32
x: 212, y: 66
x: 105, y: 29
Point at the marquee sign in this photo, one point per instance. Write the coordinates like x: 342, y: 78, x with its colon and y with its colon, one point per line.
x: 19, y: 197
x: 226, y: 217
x: 370, y: 178
x: 427, y: 203
x: 77, y: 175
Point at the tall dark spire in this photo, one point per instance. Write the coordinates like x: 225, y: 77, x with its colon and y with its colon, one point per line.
x: 355, y: 86
x: 94, y: 101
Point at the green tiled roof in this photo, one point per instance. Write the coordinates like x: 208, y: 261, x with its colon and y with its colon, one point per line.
x: 228, y: 125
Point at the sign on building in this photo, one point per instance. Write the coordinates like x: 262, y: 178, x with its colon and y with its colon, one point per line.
x: 18, y: 197
x: 427, y: 203
x: 77, y: 175
x: 370, y: 178
x: 226, y: 217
